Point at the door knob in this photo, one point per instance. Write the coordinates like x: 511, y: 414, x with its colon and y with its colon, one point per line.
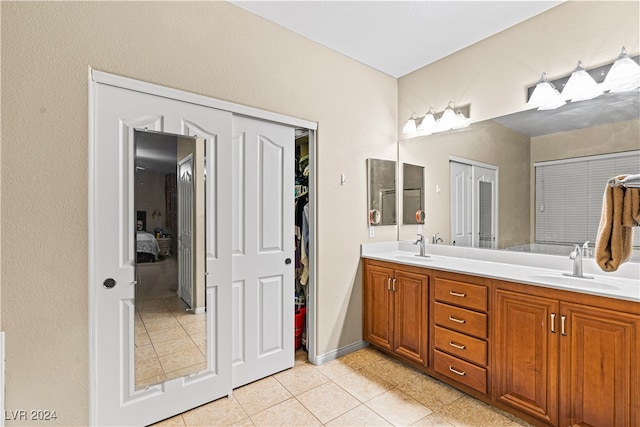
x: 287, y: 261
x: 109, y: 283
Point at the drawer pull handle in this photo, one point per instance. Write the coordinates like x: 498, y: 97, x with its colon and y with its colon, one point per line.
x: 457, y: 294
x: 389, y: 283
x: 562, y: 320
x: 455, y: 371
x: 553, y: 323
x: 453, y: 319
x: 456, y: 345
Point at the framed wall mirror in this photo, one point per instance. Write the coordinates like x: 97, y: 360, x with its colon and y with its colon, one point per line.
x: 170, y: 308
x: 413, y: 211
x: 382, y: 191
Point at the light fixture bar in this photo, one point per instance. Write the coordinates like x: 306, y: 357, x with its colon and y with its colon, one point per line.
x: 598, y: 74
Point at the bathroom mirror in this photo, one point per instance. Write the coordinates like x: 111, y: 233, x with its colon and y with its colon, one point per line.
x: 412, y: 194
x: 169, y: 200
x: 382, y: 191
x: 607, y: 124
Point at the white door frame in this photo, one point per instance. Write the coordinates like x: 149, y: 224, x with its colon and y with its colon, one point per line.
x: 96, y: 76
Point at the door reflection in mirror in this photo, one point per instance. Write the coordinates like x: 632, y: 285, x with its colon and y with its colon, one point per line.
x: 170, y: 316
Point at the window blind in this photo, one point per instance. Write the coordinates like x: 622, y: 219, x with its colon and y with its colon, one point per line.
x: 569, y: 193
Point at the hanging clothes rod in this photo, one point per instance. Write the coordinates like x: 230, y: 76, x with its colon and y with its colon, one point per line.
x: 628, y: 181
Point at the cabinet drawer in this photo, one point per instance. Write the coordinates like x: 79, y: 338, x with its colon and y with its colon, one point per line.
x: 461, y: 320
x: 462, y: 294
x: 461, y: 345
x: 461, y: 371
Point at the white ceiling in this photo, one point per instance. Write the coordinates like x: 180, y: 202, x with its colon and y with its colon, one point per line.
x: 396, y: 37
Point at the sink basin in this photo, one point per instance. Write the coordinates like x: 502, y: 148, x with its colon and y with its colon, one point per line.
x: 574, y: 282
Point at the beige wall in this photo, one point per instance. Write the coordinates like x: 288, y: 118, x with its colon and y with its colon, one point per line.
x: 210, y: 48
x: 486, y: 142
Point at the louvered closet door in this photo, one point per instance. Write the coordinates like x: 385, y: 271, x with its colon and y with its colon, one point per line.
x: 263, y: 249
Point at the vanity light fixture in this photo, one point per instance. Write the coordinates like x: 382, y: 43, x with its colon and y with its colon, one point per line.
x: 620, y: 76
x: 411, y: 125
x: 545, y: 96
x: 581, y: 86
x: 428, y: 123
x: 624, y: 74
x: 450, y: 118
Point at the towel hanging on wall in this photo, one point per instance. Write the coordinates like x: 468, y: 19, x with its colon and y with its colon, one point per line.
x: 620, y: 213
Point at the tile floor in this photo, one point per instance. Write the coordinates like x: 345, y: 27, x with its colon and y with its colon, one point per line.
x: 170, y: 342
x: 364, y: 388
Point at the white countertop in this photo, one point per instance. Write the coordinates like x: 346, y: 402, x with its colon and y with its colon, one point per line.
x: 534, y: 269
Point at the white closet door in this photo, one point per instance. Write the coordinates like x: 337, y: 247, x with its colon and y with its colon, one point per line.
x: 461, y: 204
x: 485, y: 207
x: 117, y: 112
x: 263, y: 249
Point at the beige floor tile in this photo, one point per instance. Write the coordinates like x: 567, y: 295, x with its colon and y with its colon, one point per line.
x: 161, y: 323
x: 328, y: 401
x: 186, y: 370
x: 300, y: 378
x: 363, y: 384
x: 186, y: 357
x: 243, y: 423
x: 469, y: 412
x: 176, y: 421
x: 360, y: 416
x: 260, y: 395
x: 363, y: 357
x: 168, y: 334
x: 221, y: 412
x: 432, y: 420
x: 195, y: 327
x: 428, y: 391
x: 142, y: 338
x: 287, y: 413
x: 392, y: 371
x: 398, y: 408
x: 199, y: 339
x: 173, y: 346
x: 335, y: 368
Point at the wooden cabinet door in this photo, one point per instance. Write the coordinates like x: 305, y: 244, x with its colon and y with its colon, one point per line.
x: 411, y: 315
x: 526, y: 354
x: 378, y: 306
x: 600, y: 376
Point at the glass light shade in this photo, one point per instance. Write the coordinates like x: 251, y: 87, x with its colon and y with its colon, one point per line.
x: 428, y: 123
x: 447, y: 120
x: 581, y: 86
x: 461, y: 121
x: 545, y: 96
x: 410, y: 126
x: 623, y: 75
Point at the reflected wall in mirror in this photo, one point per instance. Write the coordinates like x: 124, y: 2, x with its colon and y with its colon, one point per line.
x: 382, y: 191
x: 169, y: 197
x: 513, y: 143
x: 412, y: 194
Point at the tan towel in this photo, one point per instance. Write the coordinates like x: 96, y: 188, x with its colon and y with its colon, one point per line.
x: 631, y: 207
x: 614, y: 241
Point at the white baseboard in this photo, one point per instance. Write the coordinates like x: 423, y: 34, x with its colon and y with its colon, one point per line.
x: 342, y: 351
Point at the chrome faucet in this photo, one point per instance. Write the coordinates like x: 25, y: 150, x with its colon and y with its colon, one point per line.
x: 586, y: 251
x: 576, y: 256
x: 435, y: 239
x: 421, y: 242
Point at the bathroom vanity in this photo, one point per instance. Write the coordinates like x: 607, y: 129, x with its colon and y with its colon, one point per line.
x: 506, y: 329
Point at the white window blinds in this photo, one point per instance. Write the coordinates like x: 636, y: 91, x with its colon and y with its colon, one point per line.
x: 569, y: 196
